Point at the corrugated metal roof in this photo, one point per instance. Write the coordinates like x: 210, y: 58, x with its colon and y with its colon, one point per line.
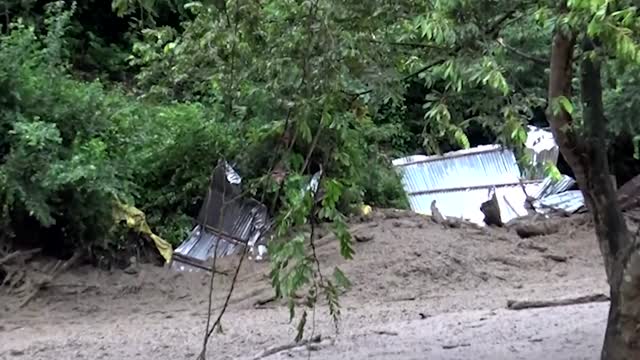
x: 226, y: 218
x: 460, y: 181
x: 550, y: 187
x: 409, y: 159
x: 481, y: 166
x: 200, y: 245
x: 568, y: 201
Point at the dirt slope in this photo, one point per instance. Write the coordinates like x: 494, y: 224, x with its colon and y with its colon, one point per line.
x: 417, y: 287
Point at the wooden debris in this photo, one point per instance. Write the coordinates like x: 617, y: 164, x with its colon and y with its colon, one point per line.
x: 531, y: 229
x: 454, y: 222
x: 403, y: 298
x: 491, y: 211
x: 19, y: 254
x: 280, y: 348
x: 16, y: 279
x: 262, y: 302
x: 438, y: 218
x: 521, y: 305
x: 385, y: 332
x: 454, y: 346
x: 436, y: 215
x: 534, y: 247
x: 57, y: 270
x: 557, y: 258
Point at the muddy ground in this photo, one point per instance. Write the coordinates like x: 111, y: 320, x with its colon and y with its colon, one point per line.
x: 420, y: 291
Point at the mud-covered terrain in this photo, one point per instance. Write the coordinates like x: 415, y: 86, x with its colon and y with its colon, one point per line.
x: 420, y: 291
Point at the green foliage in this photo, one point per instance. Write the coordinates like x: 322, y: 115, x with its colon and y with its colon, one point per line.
x: 551, y: 171
x: 69, y: 147
x: 55, y: 164
x: 622, y: 106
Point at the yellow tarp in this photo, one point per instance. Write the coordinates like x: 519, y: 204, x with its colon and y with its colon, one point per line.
x: 136, y: 221
x: 365, y: 210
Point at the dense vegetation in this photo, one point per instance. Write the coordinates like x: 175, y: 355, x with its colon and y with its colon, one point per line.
x: 137, y: 101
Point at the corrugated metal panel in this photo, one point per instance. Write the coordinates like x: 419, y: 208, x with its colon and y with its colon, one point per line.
x: 466, y: 203
x: 554, y: 195
x: 568, y: 201
x: 226, y: 218
x: 409, y: 159
x: 459, y: 181
x: 550, y: 187
x: 200, y: 245
x: 482, y: 166
x: 542, y: 147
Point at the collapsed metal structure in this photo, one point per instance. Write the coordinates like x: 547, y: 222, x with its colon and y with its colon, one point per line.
x: 227, y: 223
x: 460, y: 181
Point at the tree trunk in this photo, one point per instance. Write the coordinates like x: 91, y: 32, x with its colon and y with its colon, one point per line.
x: 622, y: 339
x: 587, y: 156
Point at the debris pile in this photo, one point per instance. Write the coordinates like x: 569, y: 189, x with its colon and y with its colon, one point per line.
x: 227, y: 223
x: 485, y: 185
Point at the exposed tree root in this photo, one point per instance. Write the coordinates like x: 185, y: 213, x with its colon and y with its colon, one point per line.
x: 58, y: 269
x: 17, y: 255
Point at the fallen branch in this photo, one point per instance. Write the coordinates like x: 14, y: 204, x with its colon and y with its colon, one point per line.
x: 454, y: 346
x: 521, y: 305
x: 57, y: 270
x: 280, y: 348
x: 18, y: 254
x: 263, y: 302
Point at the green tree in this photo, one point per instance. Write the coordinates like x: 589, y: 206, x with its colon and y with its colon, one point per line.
x: 584, y: 35
x: 588, y: 33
